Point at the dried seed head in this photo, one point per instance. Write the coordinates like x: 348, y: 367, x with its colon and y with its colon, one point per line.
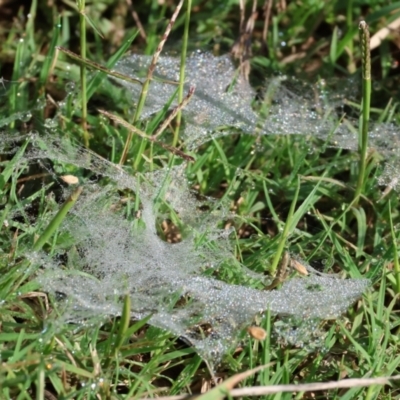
x: 299, y: 267
x: 70, y: 179
x: 256, y: 332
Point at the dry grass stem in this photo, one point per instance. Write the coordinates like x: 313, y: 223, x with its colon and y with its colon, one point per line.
x: 307, y: 387
x: 132, y: 129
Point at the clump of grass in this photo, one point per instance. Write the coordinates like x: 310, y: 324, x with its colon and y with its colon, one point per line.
x: 259, y: 177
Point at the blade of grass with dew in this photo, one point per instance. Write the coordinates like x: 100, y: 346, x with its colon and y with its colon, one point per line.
x: 45, y: 72
x: 30, y: 27
x: 366, y: 104
x: 16, y: 101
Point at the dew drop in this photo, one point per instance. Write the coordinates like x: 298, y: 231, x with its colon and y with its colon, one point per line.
x: 50, y: 123
x: 70, y: 87
x: 25, y: 116
x: 40, y: 103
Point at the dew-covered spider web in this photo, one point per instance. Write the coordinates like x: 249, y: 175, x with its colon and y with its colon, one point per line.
x: 224, y: 103
x: 107, y: 252
x: 112, y: 245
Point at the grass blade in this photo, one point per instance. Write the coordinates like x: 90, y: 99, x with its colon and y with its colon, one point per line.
x: 56, y: 221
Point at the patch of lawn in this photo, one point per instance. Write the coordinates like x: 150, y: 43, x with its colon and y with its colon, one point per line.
x: 288, y: 192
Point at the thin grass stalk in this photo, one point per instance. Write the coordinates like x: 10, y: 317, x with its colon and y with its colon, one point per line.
x: 366, y: 105
x: 285, y: 233
x: 98, y: 67
x: 182, y: 71
x: 146, y: 83
x: 292, y: 388
x: 82, y: 40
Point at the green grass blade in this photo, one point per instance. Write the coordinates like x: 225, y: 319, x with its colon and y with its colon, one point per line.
x: 45, y: 72
x: 123, y: 324
x: 57, y: 220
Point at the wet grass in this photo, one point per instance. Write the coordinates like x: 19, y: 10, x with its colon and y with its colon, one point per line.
x: 261, y: 176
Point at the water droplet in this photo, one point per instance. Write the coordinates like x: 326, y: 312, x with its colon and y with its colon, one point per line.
x: 50, y: 123
x: 25, y: 116
x: 70, y: 87
x: 40, y: 103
